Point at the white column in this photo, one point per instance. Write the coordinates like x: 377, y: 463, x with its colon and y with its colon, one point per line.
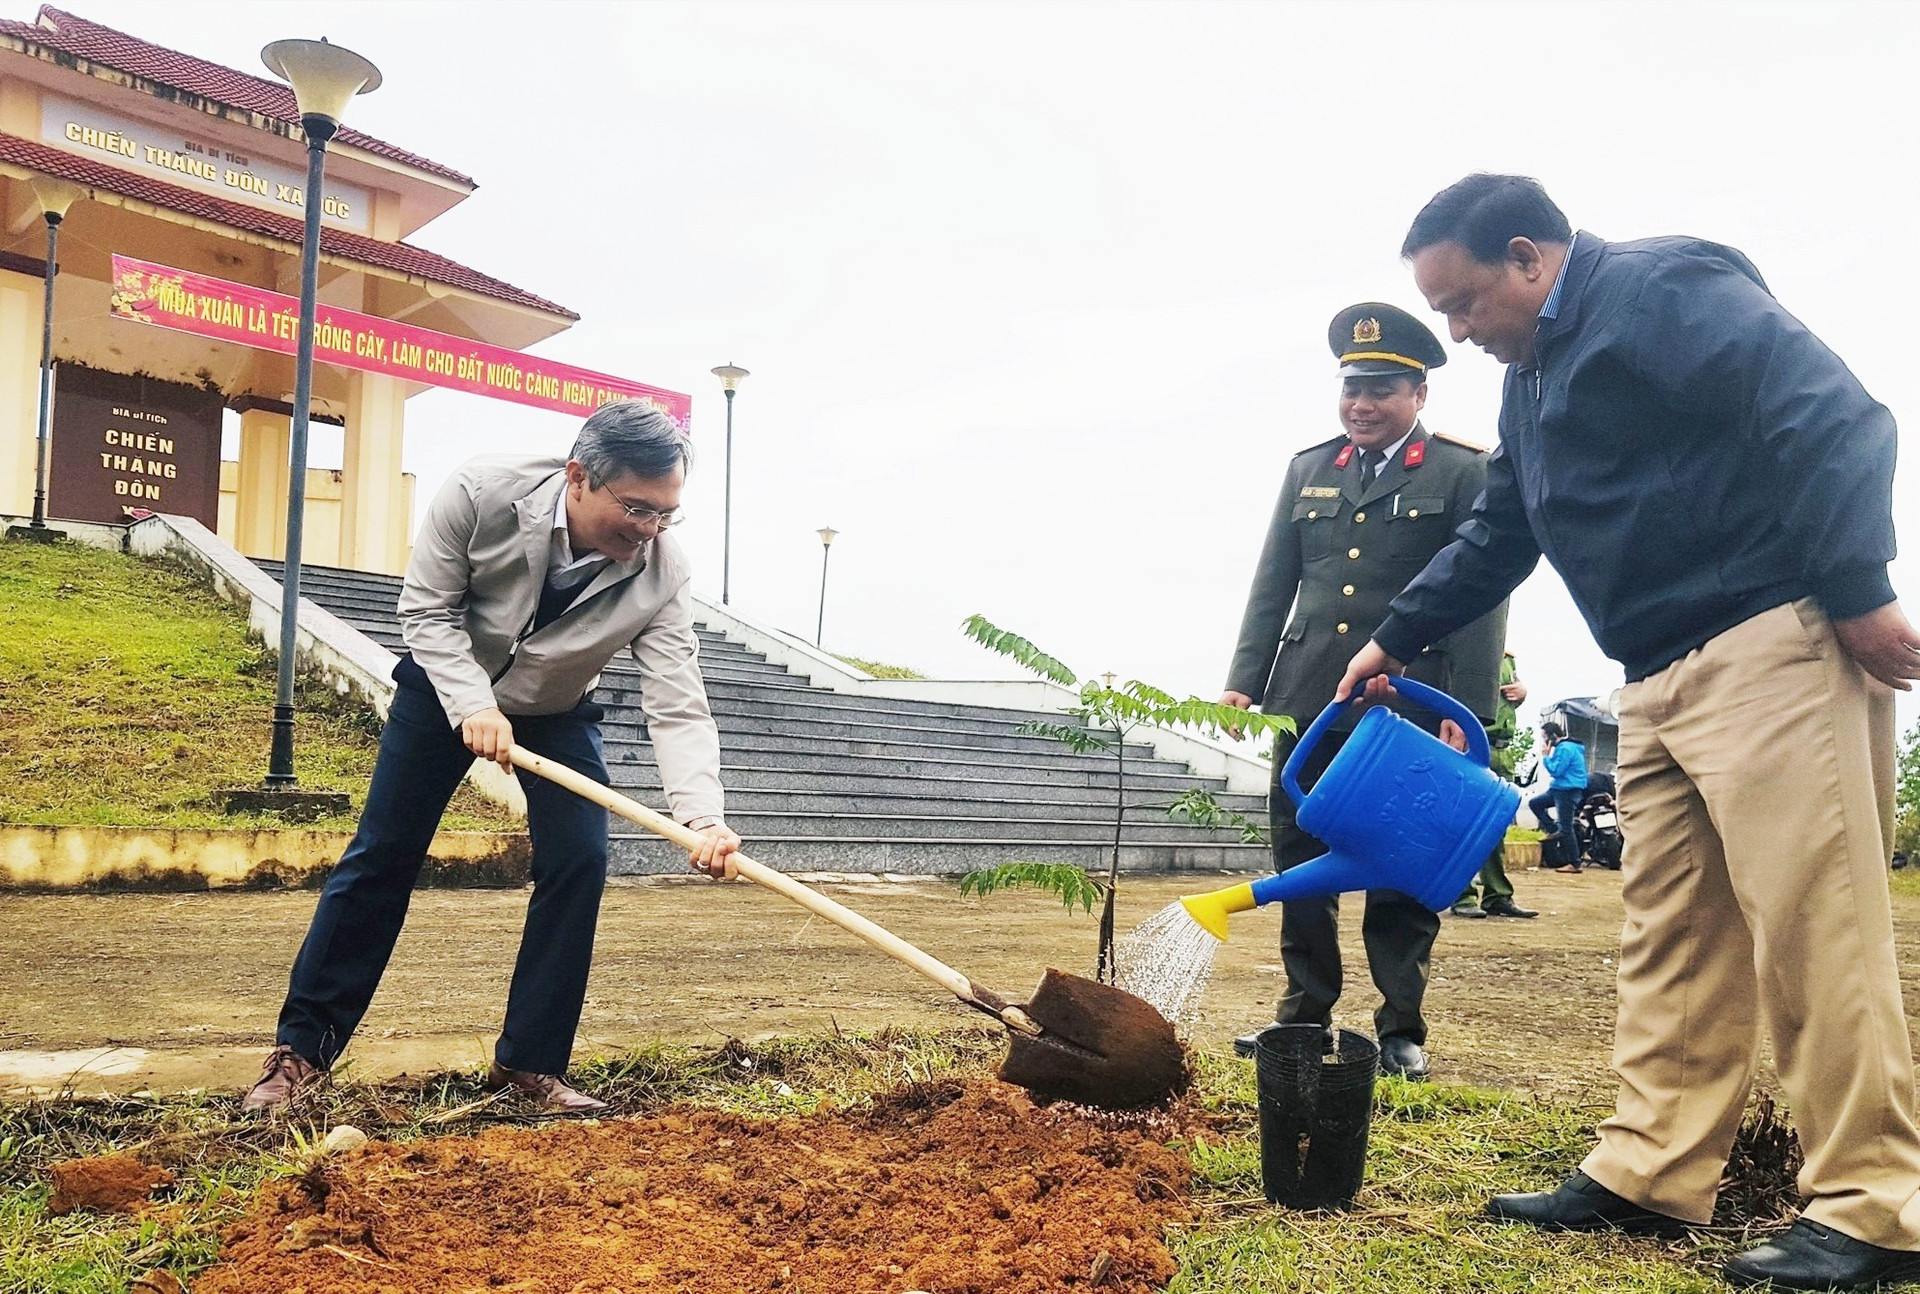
x: 21, y: 296
x: 373, y: 519
x: 260, y: 502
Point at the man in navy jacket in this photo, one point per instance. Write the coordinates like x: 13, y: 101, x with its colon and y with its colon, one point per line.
x: 1715, y: 487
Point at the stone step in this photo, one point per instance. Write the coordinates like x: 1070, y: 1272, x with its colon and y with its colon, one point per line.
x: 652, y: 856
x: 626, y: 724
x: 1047, y: 784
x: 1059, y: 772
x: 1003, y: 804
x: 820, y: 703
x: 752, y: 746
x: 869, y: 826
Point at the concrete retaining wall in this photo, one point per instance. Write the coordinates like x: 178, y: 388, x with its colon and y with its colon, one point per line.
x: 159, y: 858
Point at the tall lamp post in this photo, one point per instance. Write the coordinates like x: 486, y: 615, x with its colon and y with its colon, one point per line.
x: 54, y: 197
x: 324, y: 79
x: 729, y: 382
x: 826, y: 546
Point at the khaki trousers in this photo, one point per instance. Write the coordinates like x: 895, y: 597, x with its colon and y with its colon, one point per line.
x: 1756, y: 796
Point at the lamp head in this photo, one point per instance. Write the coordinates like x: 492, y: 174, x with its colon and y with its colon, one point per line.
x: 729, y: 377
x: 55, y: 196
x: 324, y: 79
x: 826, y: 536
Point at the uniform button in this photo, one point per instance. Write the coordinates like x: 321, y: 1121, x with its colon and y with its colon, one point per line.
x: 1353, y: 552
x: 1359, y: 517
x: 1413, y: 512
x: 1312, y: 515
x: 1346, y: 590
x: 1341, y: 627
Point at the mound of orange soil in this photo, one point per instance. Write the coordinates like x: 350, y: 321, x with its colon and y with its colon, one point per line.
x: 941, y: 1188
x: 108, y: 1184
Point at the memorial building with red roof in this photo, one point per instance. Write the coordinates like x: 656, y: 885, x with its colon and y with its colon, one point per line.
x: 178, y: 161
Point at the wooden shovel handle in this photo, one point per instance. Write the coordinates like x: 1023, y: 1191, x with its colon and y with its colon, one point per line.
x: 780, y: 883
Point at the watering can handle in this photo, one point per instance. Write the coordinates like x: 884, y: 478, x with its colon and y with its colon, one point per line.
x: 1430, y: 698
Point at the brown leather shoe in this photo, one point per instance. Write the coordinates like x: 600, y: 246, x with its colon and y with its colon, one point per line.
x: 550, y: 1090
x: 285, y: 1076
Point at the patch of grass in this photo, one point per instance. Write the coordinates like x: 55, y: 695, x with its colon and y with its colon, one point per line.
x: 129, y: 694
x: 1905, y: 881
x: 1436, y: 1153
x: 880, y: 669
x: 1434, y: 1156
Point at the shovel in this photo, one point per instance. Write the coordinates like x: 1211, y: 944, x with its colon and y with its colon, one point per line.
x: 1075, y: 1039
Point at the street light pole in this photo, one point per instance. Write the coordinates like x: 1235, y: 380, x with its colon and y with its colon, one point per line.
x: 54, y: 196
x: 826, y: 546
x: 324, y: 79
x: 729, y: 382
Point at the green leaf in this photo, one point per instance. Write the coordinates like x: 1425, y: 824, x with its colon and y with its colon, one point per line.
x: 1200, y: 808
x: 1067, y: 880
x: 1076, y: 738
x: 1017, y: 649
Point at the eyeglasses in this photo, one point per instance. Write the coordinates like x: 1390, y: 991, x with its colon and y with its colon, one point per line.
x: 661, y: 520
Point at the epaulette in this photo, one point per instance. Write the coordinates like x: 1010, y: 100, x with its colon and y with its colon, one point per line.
x: 1455, y: 440
x: 1329, y: 443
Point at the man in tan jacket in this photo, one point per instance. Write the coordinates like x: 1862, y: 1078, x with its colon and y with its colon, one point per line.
x: 528, y: 576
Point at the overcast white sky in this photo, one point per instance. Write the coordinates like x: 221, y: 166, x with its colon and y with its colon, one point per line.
x: 1035, y: 295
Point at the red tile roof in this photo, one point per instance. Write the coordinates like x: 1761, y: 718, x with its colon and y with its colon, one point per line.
x: 336, y: 243
x: 73, y: 35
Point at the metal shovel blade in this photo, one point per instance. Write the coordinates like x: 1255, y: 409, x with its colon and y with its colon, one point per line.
x: 1099, y: 1045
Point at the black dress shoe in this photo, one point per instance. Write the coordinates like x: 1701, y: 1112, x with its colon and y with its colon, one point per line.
x: 1582, y: 1204
x: 1402, y: 1057
x: 1466, y: 908
x: 1808, y: 1256
x: 1505, y: 907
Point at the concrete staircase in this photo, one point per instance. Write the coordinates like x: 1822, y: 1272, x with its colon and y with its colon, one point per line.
x: 819, y: 780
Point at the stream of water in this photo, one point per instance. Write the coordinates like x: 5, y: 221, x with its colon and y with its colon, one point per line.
x: 1167, y: 960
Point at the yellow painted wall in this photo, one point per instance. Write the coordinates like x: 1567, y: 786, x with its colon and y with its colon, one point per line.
x: 69, y: 858
x: 326, y: 497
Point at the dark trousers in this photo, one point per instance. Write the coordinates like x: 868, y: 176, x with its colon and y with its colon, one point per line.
x: 364, y: 900
x: 1398, y: 931
x: 1558, y: 813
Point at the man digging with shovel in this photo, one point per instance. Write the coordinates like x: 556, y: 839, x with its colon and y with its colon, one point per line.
x: 528, y: 576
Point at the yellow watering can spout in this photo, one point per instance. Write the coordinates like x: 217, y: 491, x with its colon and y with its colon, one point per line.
x: 1211, y: 910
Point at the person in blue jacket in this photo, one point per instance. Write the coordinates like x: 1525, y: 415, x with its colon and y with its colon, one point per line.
x: 1715, y: 487
x: 1557, y: 809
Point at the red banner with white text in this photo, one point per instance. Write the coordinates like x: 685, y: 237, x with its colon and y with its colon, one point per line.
x: 235, y: 312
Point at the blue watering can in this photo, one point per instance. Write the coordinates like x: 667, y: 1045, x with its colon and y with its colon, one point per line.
x: 1398, y: 808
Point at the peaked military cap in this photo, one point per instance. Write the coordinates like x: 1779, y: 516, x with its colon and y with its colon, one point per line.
x: 1374, y: 339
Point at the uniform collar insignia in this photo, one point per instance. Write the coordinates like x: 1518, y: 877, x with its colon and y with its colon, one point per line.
x: 1345, y: 456
x: 1416, y: 453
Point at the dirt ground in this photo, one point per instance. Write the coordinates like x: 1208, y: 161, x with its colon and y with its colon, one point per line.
x: 963, y: 1190
x: 169, y: 992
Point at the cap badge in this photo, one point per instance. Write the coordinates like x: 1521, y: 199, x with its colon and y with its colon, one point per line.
x: 1366, y: 332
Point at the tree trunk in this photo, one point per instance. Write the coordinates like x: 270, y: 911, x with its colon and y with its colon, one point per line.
x: 1107, y: 971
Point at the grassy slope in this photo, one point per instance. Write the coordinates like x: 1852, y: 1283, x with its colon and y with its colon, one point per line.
x: 880, y: 669
x: 129, y: 693
x: 1436, y: 1153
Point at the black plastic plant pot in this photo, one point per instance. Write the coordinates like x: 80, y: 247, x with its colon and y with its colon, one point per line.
x: 1315, y: 1108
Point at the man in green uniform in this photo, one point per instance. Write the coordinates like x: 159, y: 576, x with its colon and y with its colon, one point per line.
x: 1496, y: 891
x: 1359, y: 516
